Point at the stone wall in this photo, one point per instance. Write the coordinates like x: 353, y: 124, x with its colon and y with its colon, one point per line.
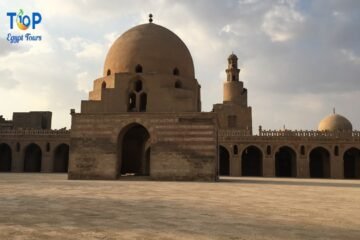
x: 301, y: 142
x: 46, y: 140
x: 183, y: 145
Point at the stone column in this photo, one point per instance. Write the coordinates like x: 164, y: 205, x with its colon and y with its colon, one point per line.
x: 269, y: 166
x: 303, y: 170
x: 47, y: 162
x: 17, y: 164
x: 336, y: 167
x: 235, y: 166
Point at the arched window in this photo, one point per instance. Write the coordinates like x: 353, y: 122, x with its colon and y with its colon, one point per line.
x: 176, y: 72
x: 336, y: 151
x: 103, y: 85
x: 48, y: 147
x: 108, y: 72
x: 143, y: 102
x: 268, y: 150
x: 138, y: 69
x: 178, y: 84
x: 302, y: 150
x: 138, y: 86
x: 235, y: 150
x: 17, y: 147
x: 132, y: 102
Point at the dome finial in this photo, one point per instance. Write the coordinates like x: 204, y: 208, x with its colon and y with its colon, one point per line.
x: 150, y: 18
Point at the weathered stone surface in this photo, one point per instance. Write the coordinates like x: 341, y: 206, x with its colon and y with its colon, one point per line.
x: 48, y: 206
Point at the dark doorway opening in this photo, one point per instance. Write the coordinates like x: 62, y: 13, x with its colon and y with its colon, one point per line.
x: 32, y: 161
x: 5, y: 158
x: 61, y: 158
x: 352, y: 163
x: 285, y: 162
x: 251, y: 162
x: 143, y: 102
x: 224, y: 162
x: 133, y: 158
x: 319, y: 163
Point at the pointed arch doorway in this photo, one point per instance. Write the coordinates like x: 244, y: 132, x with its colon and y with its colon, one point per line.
x: 133, y: 151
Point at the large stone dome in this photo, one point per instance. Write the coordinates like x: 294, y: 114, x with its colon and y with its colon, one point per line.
x: 335, y: 122
x: 155, y: 48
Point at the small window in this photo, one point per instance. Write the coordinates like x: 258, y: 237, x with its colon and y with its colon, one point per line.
x: 236, y: 151
x: 268, y: 150
x: 138, y: 69
x: 336, y: 150
x: 232, y: 121
x: 178, y: 84
x: 132, y: 102
x: 302, y: 150
x: 48, y: 147
x: 103, y: 85
x: 108, y: 72
x: 176, y: 72
x: 17, y: 147
x: 138, y: 86
x: 233, y: 78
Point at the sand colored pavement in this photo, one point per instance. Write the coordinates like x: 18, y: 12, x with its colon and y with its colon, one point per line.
x: 48, y: 206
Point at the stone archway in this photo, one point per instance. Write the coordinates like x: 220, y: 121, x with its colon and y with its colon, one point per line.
x: 5, y: 158
x: 133, y: 159
x: 32, y: 160
x: 319, y: 163
x: 224, y: 161
x: 251, y: 162
x: 61, y: 158
x: 352, y: 163
x: 285, y: 162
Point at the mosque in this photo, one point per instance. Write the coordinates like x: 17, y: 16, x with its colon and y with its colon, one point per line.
x: 143, y: 118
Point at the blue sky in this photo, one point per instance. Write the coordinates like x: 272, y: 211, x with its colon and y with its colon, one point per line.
x: 298, y: 59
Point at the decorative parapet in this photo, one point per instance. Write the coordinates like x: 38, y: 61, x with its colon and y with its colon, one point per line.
x: 287, y: 135
x: 34, y: 132
x: 307, y: 133
x: 234, y: 133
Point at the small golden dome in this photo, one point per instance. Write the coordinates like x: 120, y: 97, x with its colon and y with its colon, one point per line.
x: 335, y: 122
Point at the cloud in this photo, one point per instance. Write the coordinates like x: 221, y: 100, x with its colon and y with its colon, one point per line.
x: 83, y: 83
x: 82, y: 48
x: 281, y: 21
x: 351, y: 56
x: 6, y: 79
x: 6, y: 48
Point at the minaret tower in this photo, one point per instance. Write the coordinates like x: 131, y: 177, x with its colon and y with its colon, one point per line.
x: 234, y: 91
x: 234, y: 113
x: 232, y: 71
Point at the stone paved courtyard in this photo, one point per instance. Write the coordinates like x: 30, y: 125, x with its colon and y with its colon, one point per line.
x: 47, y: 206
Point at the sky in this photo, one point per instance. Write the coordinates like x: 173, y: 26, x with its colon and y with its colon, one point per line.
x: 298, y: 59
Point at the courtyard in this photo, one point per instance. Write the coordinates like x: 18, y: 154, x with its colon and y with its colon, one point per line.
x: 48, y: 206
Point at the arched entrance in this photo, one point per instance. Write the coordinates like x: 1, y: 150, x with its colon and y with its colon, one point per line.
x: 319, y: 163
x: 32, y: 160
x: 251, y: 162
x: 61, y: 158
x: 285, y: 162
x: 133, y: 159
x: 5, y: 158
x: 224, y: 161
x: 352, y: 163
